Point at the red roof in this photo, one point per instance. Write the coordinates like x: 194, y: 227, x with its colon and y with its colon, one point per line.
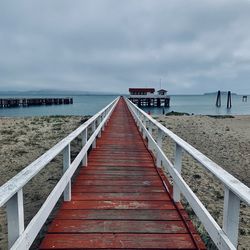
x: 150, y: 90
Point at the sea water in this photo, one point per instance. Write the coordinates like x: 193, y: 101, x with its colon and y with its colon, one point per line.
x: 89, y: 105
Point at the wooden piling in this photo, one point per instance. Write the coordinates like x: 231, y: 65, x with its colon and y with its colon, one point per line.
x: 244, y: 98
x: 229, y: 100
x: 218, y: 99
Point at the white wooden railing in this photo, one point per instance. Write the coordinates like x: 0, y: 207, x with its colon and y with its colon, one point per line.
x: 234, y: 190
x: 11, y: 193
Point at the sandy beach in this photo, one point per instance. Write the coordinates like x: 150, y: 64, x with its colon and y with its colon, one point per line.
x: 22, y: 141
x: 226, y: 141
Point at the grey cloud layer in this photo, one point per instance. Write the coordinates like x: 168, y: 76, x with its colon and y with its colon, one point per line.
x: 193, y: 46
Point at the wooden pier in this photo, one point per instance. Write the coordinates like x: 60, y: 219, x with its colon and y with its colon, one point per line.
x: 146, y: 97
x: 121, y: 197
x: 119, y: 200
x: 26, y: 102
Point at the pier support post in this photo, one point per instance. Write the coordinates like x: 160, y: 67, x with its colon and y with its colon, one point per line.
x: 84, y: 141
x: 66, y: 165
x: 177, y: 166
x: 218, y: 99
x: 15, y: 217
x: 229, y: 100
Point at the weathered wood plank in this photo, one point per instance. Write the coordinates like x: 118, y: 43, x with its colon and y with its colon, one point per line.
x: 117, y: 226
x: 120, y: 196
x: 120, y: 183
x: 108, y: 178
x: 118, y: 205
x: 119, y: 241
x: 78, y: 187
x: 119, y: 214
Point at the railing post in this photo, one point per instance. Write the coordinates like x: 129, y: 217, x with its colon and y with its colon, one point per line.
x: 177, y: 166
x: 84, y: 141
x: 231, y: 213
x: 159, y: 142
x: 103, y: 117
x: 99, y: 120
x: 150, y: 130
x: 66, y: 165
x: 93, y: 130
x: 144, y: 122
x: 15, y: 217
x: 150, y: 127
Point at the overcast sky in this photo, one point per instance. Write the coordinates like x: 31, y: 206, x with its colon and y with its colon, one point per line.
x: 192, y: 46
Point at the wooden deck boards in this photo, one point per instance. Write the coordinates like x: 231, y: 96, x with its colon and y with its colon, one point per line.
x: 119, y: 200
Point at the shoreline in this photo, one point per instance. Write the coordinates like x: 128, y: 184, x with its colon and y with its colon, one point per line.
x: 226, y: 141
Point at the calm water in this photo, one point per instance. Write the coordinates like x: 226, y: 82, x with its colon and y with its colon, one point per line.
x: 89, y: 105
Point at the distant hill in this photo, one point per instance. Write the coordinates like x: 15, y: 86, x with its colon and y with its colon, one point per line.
x: 215, y: 93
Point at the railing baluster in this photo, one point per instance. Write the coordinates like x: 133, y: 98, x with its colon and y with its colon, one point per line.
x: 150, y: 127
x: 159, y: 143
x: 103, y: 117
x: 150, y: 130
x: 177, y: 166
x: 66, y: 165
x: 15, y: 217
x: 84, y: 141
x: 93, y: 130
x: 231, y: 213
x: 144, y: 122
x: 99, y: 120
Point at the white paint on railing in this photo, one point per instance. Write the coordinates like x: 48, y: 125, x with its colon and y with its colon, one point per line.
x: 177, y: 166
x: 11, y: 191
x: 235, y: 191
x: 15, y: 217
x: 231, y: 215
x: 66, y: 165
x: 84, y: 141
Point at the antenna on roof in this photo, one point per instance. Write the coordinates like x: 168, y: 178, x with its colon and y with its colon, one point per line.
x: 160, y: 83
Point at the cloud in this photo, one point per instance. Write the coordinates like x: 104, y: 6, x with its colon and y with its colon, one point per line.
x: 193, y: 46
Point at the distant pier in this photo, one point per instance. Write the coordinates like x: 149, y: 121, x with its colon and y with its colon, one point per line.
x: 26, y: 102
x: 146, y: 97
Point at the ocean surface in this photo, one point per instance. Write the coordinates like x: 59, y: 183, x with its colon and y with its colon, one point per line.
x: 89, y: 105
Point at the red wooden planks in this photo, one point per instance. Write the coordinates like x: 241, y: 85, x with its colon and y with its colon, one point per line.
x: 78, y: 187
x: 146, y: 182
x: 119, y: 241
x: 116, y: 226
x: 118, y: 205
x: 119, y: 214
x: 78, y: 196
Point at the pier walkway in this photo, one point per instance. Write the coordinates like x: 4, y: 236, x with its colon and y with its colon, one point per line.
x: 120, y: 200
